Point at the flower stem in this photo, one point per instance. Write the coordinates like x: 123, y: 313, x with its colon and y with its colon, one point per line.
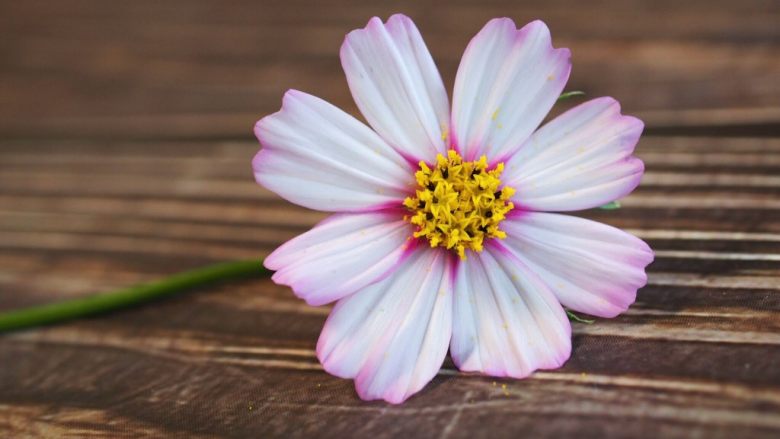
x: 570, y: 94
x: 128, y: 297
x: 140, y: 294
x: 575, y: 318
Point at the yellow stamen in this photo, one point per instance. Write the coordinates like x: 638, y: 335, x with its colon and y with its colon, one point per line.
x: 459, y: 204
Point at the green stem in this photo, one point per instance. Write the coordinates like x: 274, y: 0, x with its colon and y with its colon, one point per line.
x: 570, y: 94
x: 137, y: 295
x: 612, y: 205
x: 128, y: 297
x: 575, y: 318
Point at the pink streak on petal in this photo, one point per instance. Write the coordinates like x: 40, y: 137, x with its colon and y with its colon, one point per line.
x: 317, y: 156
x: 508, y: 323
x: 506, y: 83
x: 342, y: 255
x: 397, y: 86
x: 579, y: 160
x: 591, y: 267
x: 392, y: 336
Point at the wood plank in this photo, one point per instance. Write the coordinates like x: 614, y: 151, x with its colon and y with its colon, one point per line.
x: 275, y: 380
x: 192, y: 75
x: 125, y: 156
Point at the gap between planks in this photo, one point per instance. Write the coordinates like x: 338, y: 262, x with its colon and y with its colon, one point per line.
x: 190, y: 348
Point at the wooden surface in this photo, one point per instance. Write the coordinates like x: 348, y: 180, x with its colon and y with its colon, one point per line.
x: 125, y: 148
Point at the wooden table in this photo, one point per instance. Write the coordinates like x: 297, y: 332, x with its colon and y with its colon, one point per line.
x: 125, y: 148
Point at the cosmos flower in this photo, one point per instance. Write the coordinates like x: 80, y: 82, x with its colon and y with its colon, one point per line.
x: 441, y: 236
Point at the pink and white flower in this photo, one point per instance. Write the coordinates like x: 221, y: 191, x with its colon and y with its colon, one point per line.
x: 433, y: 247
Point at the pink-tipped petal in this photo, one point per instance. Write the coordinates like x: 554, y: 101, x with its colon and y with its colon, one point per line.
x: 507, y: 82
x: 581, y: 159
x: 392, y: 336
x: 341, y: 255
x: 591, y: 267
x: 318, y: 156
x: 506, y: 321
x: 397, y: 86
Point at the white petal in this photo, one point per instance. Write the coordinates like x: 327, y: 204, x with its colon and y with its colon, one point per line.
x: 507, y: 82
x: 506, y: 321
x: 581, y: 159
x: 591, y: 267
x: 322, y: 158
x: 397, y: 87
x: 392, y: 336
x: 341, y: 255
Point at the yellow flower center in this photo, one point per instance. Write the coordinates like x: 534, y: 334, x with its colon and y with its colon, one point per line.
x: 459, y: 204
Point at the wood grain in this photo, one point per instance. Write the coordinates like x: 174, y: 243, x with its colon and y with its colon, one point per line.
x: 125, y: 143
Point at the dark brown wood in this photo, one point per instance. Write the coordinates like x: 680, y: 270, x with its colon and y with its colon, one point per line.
x: 125, y: 148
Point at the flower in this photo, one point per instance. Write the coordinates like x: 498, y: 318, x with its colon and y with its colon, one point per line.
x: 441, y: 237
